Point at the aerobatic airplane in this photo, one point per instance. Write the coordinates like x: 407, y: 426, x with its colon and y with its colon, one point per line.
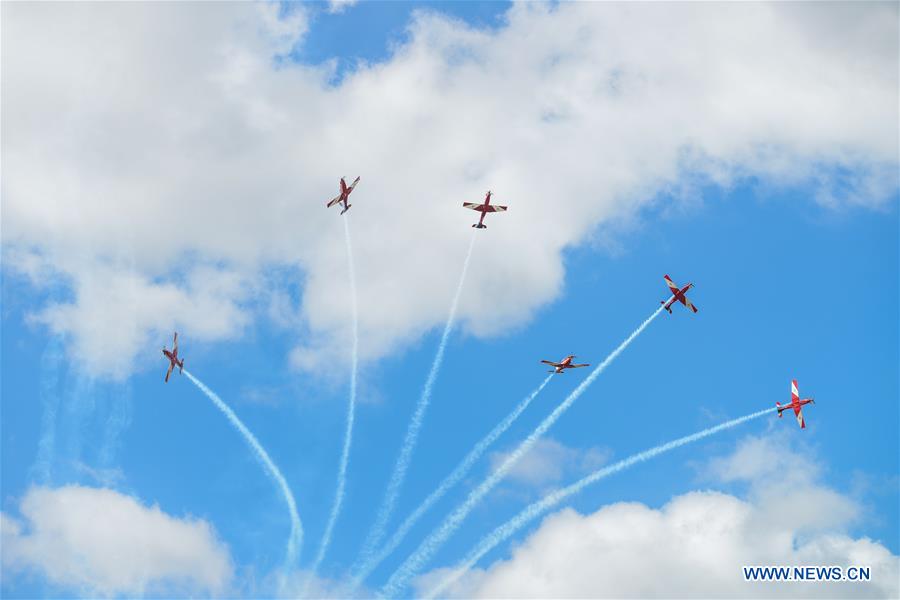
x: 173, y: 358
x: 344, y: 195
x: 561, y: 366
x: 796, y: 404
x: 677, y: 294
x: 484, y: 208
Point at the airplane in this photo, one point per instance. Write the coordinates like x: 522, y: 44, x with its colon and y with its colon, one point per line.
x: 796, y: 404
x: 484, y: 208
x: 173, y: 358
x: 344, y: 195
x: 677, y: 294
x: 561, y: 366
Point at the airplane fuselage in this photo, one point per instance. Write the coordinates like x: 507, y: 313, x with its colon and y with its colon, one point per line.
x: 345, y: 198
x: 793, y: 405
x: 487, y: 202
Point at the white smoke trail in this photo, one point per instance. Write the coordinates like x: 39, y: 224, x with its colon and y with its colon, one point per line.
x: 50, y: 400
x: 437, y: 537
x: 295, y: 541
x: 415, y: 424
x: 119, y: 411
x: 78, y: 411
x: 502, y: 533
x: 351, y: 411
x: 451, y: 480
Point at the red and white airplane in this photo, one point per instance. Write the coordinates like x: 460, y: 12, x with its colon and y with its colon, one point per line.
x: 677, y: 294
x: 484, y: 208
x: 566, y: 363
x: 173, y: 358
x: 344, y: 195
x: 796, y: 404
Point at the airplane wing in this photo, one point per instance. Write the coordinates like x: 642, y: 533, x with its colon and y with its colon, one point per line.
x: 795, y: 392
x: 175, y: 344
x: 576, y: 366
x: 687, y: 303
x: 169, y: 372
x: 334, y: 201
x: 353, y: 185
x: 550, y: 362
x: 483, y: 208
x: 799, y: 414
x: 671, y: 284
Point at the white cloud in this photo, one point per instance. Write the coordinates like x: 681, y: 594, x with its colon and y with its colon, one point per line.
x: 339, y: 6
x: 549, y: 461
x: 143, y: 140
x: 101, y: 542
x: 696, y: 545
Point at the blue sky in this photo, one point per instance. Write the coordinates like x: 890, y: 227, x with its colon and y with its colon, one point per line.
x: 371, y: 30
x: 787, y: 287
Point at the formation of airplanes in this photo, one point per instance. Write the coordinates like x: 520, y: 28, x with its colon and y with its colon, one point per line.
x: 678, y: 295
x: 173, y: 358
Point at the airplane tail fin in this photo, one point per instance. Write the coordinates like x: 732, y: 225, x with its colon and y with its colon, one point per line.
x: 181, y: 366
x: 477, y: 226
x: 346, y: 209
x: 780, y: 409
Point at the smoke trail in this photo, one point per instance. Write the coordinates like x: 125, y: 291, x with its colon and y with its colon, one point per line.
x: 502, y: 533
x: 49, y: 395
x: 437, y: 537
x: 119, y: 400
x: 351, y: 410
x: 78, y: 410
x: 412, y: 432
x: 295, y: 541
x: 451, y: 480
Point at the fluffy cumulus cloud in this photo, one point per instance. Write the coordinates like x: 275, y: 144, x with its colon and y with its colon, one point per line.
x: 549, y: 461
x: 162, y: 160
x: 696, y: 544
x: 101, y: 542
